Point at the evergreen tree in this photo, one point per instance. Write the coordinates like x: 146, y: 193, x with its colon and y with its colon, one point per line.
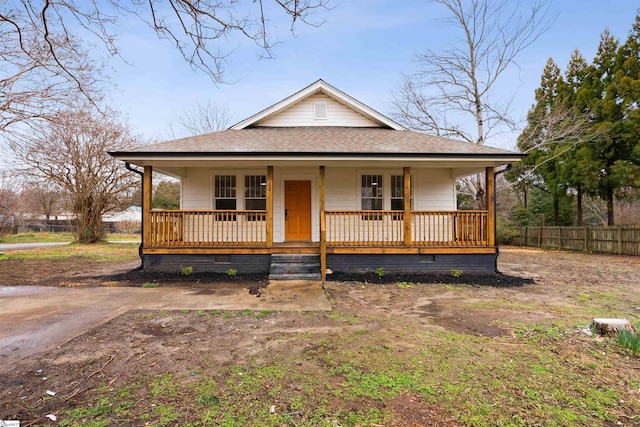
x: 628, y: 169
x: 573, y: 171
x: 544, y: 139
x: 583, y: 132
x: 608, y: 161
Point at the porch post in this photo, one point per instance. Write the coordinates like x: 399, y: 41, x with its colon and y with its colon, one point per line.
x: 147, y: 190
x: 490, y: 205
x: 269, y: 217
x: 407, y: 206
x: 323, y: 227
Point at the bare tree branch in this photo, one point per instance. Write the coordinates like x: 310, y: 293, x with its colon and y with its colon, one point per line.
x: 72, y: 154
x: 43, y: 60
x: 460, y: 79
x: 204, y: 118
x: 451, y: 90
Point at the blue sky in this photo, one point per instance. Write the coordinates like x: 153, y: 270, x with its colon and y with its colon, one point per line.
x: 362, y: 49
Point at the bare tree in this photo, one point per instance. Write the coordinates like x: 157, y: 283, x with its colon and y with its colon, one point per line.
x: 42, y: 59
x: 203, y: 118
x: 39, y: 70
x: 9, y: 204
x: 452, y: 87
x: 71, y: 153
x: 43, y: 198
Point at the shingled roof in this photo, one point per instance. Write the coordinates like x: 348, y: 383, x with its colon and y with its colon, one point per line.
x: 310, y: 141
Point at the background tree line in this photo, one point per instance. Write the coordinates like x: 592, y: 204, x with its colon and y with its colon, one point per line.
x: 582, y: 137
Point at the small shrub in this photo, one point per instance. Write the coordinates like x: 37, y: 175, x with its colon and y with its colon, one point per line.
x: 506, y: 231
x: 149, y: 285
x: 232, y: 272
x: 629, y: 340
x: 186, y: 271
x: 405, y: 285
x: 456, y: 273
x: 379, y: 272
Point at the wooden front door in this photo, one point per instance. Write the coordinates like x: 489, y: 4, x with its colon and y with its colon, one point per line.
x: 297, y: 205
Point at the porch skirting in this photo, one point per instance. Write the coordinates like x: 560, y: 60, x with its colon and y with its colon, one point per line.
x: 411, y: 263
x: 355, y: 263
x: 210, y: 263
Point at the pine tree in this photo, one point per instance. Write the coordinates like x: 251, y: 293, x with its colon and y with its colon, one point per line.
x: 610, y: 162
x: 544, y: 139
x: 573, y: 171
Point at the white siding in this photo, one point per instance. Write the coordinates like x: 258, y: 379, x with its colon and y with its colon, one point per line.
x: 196, y: 189
x: 302, y: 114
x: 341, y: 189
x: 434, y: 189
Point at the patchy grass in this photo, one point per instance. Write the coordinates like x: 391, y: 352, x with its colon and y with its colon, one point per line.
x: 36, y: 237
x: 103, y: 252
x: 542, y: 375
x: 45, y: 237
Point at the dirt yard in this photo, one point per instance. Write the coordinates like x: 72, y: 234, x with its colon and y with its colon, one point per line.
x: 396, y: 351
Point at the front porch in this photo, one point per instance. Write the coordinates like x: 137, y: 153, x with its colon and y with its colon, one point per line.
x: 222, y: 229
x: 343, y: 234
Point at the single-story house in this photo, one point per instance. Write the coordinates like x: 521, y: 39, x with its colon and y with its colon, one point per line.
x: 319, y: 177
x: 130, y: 214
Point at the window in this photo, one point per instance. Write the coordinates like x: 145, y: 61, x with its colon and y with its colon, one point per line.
x: 397, y: 193
x: 372, y: 192
x: 225, y: 196
x: 372, y: 195
x: 225, y: 192
x: 255, y: 195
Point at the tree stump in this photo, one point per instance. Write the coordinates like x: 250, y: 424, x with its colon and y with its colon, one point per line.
x: 611, y: 327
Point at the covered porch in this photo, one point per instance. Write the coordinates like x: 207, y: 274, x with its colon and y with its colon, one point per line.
x: 346, y: 232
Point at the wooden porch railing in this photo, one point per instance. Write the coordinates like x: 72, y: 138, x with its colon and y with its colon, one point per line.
x: 385, y: 228
x: 208, y: 228
x: 450, y: 228
x: 342, y: 228
x: 364, y: 228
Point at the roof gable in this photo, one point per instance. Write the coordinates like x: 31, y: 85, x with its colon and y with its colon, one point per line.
x: 298, y: 110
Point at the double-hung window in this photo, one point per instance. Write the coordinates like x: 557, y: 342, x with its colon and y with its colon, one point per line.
x: 397, y: 193
x: 372, y: 195
x: 255, y: 195
x: 225, y: 196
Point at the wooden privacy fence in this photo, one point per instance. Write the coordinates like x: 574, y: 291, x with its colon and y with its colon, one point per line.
x: 622, y: 240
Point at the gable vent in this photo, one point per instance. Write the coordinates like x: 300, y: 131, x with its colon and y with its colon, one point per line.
x: 320, y: 110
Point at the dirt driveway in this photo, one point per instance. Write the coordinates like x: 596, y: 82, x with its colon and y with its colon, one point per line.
x: 38, y: 318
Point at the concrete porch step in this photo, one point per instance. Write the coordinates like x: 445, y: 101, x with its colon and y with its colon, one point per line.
x: 294, y: 258
x: 295, y: 276
x: 294, y: 267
